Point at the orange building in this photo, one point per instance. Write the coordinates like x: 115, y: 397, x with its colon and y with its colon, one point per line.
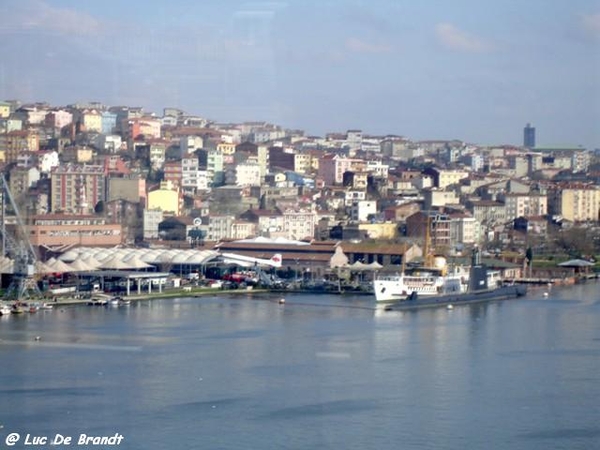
x: 16, y: 142
x: 63, y: 230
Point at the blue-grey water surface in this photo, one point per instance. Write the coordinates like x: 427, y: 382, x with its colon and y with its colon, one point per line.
x: 322, y: 372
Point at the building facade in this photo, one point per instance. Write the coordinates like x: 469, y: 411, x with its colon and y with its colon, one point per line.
x: 577, y: 203
x: 77, y: 188
x: 60, y: 230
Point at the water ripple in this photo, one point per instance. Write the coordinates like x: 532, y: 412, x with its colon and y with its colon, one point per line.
x: 323, y: 409
x: 564, y: 433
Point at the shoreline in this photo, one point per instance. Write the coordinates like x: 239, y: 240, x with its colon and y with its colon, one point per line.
x: 70, y: 301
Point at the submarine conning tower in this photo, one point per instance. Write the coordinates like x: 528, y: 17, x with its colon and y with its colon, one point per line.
x: 477, y: 273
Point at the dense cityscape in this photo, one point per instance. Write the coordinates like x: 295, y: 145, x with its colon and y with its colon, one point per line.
x: 97, y: 176
x: 92, y: 175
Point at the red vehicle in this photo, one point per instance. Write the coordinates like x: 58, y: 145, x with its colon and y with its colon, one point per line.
x: 241, y: 277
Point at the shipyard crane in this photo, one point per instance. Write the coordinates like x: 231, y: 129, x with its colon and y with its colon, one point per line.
x: 17, y: 247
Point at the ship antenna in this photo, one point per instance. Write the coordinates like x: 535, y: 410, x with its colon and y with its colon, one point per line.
x: 403, y: 266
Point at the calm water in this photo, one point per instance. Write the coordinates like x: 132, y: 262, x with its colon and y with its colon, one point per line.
x: 317, y: 372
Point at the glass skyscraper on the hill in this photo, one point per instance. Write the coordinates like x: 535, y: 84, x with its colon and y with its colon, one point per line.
x: 529, y: 136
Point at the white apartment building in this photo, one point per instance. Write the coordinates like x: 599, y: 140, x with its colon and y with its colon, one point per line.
x: 111, y: 143
x: 378, y: 169
x: 219, y: 227
x: 241, y: 229
x: 48, y: 161
x: 157, y: 155
x: 518, y: 205
x: 354, y: 196
x: 299, y: 223
x: 152, y: 218
x: 215, y: 168
x: 247, y: 174
x: 434, y: 198
x: 464, y: 229
x: 189, y: 144
x: 189, y: 175
x: 360, y: 211
x: 262, y: 158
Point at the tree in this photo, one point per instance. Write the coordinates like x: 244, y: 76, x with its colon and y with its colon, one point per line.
x: 529, y: 254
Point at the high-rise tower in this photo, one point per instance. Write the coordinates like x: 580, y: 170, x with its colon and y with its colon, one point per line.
x: 529, y: 136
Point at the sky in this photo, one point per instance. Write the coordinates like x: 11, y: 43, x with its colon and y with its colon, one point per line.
x: 472, y: 70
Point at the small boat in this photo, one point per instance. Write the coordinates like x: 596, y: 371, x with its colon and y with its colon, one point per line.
x: 119, y: 301
x: 46, y: 306
x: 98, y: 302
x: 4, y: 310
x: 16, y: 309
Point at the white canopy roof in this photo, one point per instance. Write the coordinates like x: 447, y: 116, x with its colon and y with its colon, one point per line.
x: 98, y: 257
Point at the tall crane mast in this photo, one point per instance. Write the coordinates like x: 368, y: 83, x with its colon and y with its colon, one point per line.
x: 17, y: 246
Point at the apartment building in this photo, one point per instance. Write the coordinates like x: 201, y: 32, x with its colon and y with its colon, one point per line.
x: 575, y: 202
x: 518, y: 205
x: 77, y: 188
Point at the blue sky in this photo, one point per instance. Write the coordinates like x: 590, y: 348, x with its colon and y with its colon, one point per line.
x: 433, y: 69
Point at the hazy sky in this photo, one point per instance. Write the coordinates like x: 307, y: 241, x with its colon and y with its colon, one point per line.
x: 429, y: 69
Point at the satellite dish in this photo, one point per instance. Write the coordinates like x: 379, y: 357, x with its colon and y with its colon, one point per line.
x: 197, y: 221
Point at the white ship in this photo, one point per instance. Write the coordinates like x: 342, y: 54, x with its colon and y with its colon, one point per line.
x: 425, y: 282
x: 421, y: 282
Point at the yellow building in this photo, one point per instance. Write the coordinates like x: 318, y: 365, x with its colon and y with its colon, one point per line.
x: 92, y: 121
x: 386, y: 230
x: 166, y: 199
x: 15, y: 143
x: 77, y: 154
x: 226, y: 148
x: 4, y: 110
x: 302, y: 162
x: 575, y: 203
x: 450, y: 177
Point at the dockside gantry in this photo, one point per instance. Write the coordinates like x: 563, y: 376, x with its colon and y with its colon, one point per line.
x: 17, y: 247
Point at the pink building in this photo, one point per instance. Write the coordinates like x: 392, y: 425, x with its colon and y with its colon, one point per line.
x: 149, y: 127
x: 332, y: 168
x: 58, y: 119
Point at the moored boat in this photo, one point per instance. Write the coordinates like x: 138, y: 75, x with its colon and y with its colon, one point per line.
x: 98, y: 302
x: 17, y: 309
x: 478, y: 290
x: 422, y: 282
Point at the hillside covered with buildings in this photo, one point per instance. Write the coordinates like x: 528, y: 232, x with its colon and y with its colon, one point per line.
x: 97, y: 175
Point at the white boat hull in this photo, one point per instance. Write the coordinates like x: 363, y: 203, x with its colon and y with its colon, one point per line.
x: 400, y: 287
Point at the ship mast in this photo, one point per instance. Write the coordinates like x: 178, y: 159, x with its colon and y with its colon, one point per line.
x: 427, y: 257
